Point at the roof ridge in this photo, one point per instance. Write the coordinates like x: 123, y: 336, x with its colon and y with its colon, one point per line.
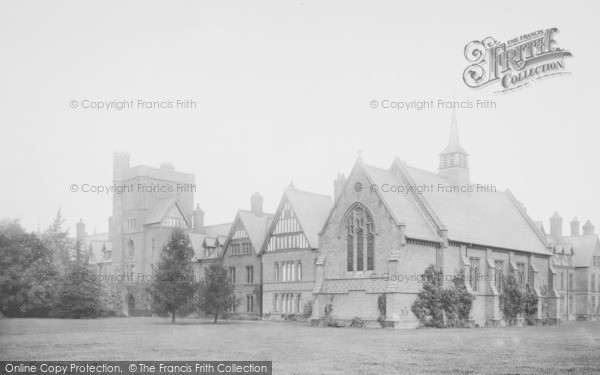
x: 423, y: 170
x: 307, y: 192
x: 250, y: 212
x: 216, y: 225
x: 376, y: 167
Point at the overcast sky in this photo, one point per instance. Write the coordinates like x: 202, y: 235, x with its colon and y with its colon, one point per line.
x: 283, y: 92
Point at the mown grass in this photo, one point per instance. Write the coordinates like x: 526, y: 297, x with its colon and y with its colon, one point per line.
x: 296, y: 348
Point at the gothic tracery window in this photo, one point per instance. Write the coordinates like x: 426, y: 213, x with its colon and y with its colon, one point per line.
x: 359, y: 231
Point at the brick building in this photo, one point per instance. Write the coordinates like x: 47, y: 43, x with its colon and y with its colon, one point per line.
x: 241, y: 257
x: 148, y: 203
x: 388, y: 225
x: 576, y: 266
x: 289, y: 252
x: 384, y: 227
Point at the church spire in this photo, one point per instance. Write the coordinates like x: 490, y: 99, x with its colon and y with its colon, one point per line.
x: 453, y: 140
x: 454, y: 160
x: 453, y: 130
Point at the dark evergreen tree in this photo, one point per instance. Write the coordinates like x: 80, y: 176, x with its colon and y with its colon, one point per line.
x: 57, y: 241
x: 173, y: 282
x: 428, y: 306
x: 530, y: 304
x: 439, y: 307
x: 216, y: 291
x: 511, y: 299
x: 79, y: 295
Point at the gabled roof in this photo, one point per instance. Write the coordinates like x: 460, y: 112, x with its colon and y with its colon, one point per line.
x: 402, y: 207
x: 311, y: 211
x: 221, y: 240
x: 212, y: 236
x: 583, y: 248
x: 210, y: 241
x: 198, y: 242
x: 219, y: 230
x: 492, y: 219
x: 162, y: 209
x: 256, y: 227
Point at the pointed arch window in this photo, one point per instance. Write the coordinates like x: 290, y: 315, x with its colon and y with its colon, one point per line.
x: 130, y: 248
x: 360, y: 240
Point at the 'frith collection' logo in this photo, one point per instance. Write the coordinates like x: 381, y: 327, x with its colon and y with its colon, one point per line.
x: 515, y: 63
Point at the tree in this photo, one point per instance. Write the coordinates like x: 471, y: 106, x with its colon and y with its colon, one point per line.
x: 28, y: 283
x: 57, y: 241
x: 428, y: 306
x: 440, y: 307
x: 79, y: 295
x: 216, y: 291
x: 511, y: 298
x: 173, y: 281
x: 530, y: 304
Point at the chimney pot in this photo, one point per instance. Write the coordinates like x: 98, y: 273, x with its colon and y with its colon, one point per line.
x: 338, y: 185
x: 556, y: 226
x: 588, y: 229
x: 256, y: 204
x: 575, y: 227
x: 198, y: 220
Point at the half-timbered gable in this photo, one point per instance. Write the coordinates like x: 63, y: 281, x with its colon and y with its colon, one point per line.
x: 290, y: 250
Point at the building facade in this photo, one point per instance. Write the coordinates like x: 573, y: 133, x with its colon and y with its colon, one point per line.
x: 242, y: 259
x: 388, y: 225
x: 337, y: 259
x: 289, y: 253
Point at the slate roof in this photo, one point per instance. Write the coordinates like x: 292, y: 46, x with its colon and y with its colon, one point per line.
x: 161, y: 209
x: 482, y: 218
x: 209, y: 237
x: 403, y: 207
x: 312, y: 210
x: 256, y: 227
x: 583, y: 248
x: 219, y: 230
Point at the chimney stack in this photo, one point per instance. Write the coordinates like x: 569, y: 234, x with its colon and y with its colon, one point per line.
x: 338, y: 185
x: 198, y: 220
x: 588, y: 229
x: 575, y: 227
x: 80, y: 229
x: 256, y: 203
x: 556, y: 226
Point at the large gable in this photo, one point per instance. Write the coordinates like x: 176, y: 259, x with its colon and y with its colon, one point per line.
x: 247, y: 225
x: 583, y: 249
x: 403, y: 207
x: 298, y: 220
x: 168, y: 213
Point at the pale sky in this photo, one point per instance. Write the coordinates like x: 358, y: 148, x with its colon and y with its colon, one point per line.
x: 283, y: 92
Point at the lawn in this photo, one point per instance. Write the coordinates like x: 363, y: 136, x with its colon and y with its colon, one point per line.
x: 297, y: 348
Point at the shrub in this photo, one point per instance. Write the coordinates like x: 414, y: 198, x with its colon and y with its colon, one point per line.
x: 428, y: 307
x: 530, y: 305
x: 511, y: 299
x: 357, y: 322
x: 382, y: 307
x: 438, y: 307
x: 307, y: 310
x: 545, y: 304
